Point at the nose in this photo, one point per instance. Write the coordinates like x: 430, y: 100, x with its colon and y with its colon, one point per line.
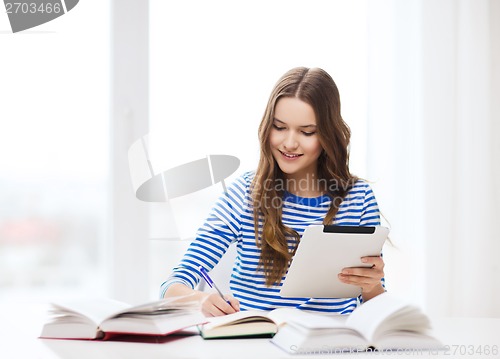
x: 290, y: 142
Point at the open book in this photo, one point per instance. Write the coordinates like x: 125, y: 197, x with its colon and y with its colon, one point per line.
x: 249, y: 323
x: 384, y: 322
x: 104, y: 319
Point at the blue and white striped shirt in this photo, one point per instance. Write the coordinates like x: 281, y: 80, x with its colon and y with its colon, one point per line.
x: 231, y: 219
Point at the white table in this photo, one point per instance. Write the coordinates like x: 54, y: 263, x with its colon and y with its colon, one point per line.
x: 19, y: 330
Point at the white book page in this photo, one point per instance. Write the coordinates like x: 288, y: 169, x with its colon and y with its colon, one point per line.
x: 234, y: 318
x: 307, y: 319
x: 368, y: 317
x: 152, y: 324
x: 163, y: 306
x: 96, y: 310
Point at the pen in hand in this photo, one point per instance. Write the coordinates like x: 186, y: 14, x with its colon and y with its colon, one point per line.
x: 211, y: 283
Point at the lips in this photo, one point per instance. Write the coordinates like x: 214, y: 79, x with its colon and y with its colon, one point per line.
x: 290, y: 155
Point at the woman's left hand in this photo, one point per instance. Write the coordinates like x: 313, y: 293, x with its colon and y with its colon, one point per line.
x: 369, y: 279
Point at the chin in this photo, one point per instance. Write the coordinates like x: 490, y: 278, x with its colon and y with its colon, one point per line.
x: 287, y: 170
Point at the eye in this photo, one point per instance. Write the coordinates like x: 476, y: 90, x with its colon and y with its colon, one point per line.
x: 278, y: 128
x: 308, y: 133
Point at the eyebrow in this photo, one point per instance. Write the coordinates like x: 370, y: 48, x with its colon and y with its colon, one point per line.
x: 305, y: 126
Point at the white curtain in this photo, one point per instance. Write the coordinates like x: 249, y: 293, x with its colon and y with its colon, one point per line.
x: 434, y: 156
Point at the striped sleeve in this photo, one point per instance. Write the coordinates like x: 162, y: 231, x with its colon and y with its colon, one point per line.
x: 370, y: 215
x: 222, y: 227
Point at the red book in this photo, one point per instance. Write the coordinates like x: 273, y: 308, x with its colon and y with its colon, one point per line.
x: 106, y: 319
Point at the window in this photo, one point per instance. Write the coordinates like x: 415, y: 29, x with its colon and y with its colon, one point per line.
x: 54, y: 164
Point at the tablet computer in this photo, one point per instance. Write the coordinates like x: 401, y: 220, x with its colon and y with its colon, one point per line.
x: 321, y: 255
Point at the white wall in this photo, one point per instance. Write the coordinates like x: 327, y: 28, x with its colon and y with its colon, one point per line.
x: 460, y: 118
x: 129, y: 255
x: 394, y: 138
x: 433, y: 129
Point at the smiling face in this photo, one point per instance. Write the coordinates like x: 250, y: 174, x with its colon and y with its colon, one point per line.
x: 293, y: 138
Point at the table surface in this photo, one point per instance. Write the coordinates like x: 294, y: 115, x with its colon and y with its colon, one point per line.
x: 20, y: 326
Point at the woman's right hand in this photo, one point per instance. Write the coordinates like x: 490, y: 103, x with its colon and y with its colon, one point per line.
x: 213, y: 305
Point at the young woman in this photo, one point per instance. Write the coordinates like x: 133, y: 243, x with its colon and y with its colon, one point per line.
x: 303, y: 178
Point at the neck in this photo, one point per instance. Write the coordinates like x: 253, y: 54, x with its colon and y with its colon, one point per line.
x: 304, y: 185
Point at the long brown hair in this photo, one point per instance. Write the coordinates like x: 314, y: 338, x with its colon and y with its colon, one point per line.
x: 315, y: 87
